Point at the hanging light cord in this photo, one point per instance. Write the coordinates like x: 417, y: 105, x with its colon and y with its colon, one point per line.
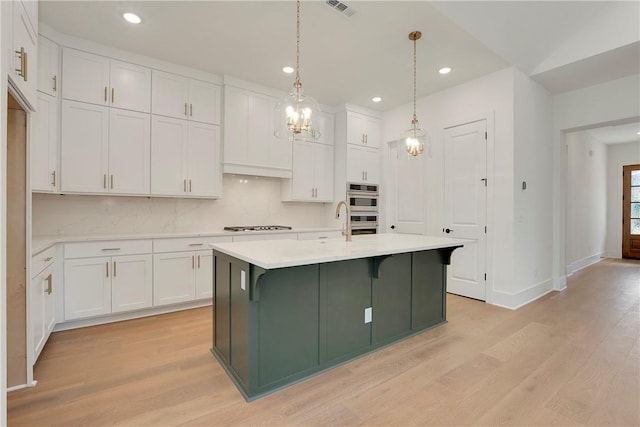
x: 297, y: 82
x: 415, y: 119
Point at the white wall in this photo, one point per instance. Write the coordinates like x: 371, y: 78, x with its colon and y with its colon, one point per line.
x: 256, y: 202
x: 613, y: 102
x: 533, y: 206
x: 618, y: 155
x: 586, y: 200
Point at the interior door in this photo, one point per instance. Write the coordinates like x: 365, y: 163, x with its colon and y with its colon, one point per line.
x: 465, y: 152
x: 631, y: 212
x: 406, y: 193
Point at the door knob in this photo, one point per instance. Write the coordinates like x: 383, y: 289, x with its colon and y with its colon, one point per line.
x: 393, y: 227
x: 447, y: 230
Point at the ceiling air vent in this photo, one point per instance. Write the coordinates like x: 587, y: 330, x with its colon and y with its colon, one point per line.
x: 340, y: 7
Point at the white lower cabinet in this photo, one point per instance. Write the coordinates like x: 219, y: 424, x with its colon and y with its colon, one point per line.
x: 42, y: 299
x: 182, y: 276
x: 96, y: 286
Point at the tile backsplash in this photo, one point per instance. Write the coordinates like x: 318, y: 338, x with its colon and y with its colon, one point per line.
x: 246, y: 201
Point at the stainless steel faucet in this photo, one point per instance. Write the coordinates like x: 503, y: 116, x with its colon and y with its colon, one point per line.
x: 347, y: 232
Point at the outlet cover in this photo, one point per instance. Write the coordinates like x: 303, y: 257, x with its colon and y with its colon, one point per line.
x: 243, y: 280
x: 367, y: 315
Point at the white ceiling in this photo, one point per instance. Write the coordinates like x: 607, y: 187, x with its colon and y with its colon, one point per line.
x: 346, y: 59
x: 617, y: 134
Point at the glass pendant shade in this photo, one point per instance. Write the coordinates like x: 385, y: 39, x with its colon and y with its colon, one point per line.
x: 296, y: 115
x: 415, y: 139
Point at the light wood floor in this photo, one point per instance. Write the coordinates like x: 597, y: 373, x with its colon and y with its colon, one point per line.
x: 569, y: 358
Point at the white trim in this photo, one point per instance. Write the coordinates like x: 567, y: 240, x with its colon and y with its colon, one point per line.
x: 585, y: 262
x: 265, y: 171
x: 560, y: 283
x: 4, y: 20
x: 137, y: 314
x: 18, y: 387
x: 514, y: 301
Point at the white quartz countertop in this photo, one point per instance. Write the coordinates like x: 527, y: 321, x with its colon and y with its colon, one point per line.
x: 272, y: 254
x: 40, y: 243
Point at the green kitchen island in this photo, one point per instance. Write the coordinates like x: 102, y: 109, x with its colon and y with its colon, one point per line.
x: 287, y: 309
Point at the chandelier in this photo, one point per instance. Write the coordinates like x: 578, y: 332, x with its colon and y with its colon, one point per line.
x: 415, y: 137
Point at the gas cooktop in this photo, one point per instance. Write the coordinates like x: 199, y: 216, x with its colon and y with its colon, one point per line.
x: 257, y: 228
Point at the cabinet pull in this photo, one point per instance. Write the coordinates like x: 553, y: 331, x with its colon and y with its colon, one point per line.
x: 110, y: 249
x: 105, y: 93
x: 196, y: 244
x: 55, y: 83
x: 113, y: 95
x: 47, y: 259
x: 193, y: 261
x: 104, y: 180
x: 53, y: 174
x: 22, y: 70
x: 366, y: 176
x: 366, y: 138
x: 184, y: 185
x: 191, y: 110
x: 106, y: 264
x: 49, y: 284
x: 114, y: 269
x: 312, y: 192
x: 198, y: 261
x: 112, y: 181
x: 185, y: 109
x: 190, y: 186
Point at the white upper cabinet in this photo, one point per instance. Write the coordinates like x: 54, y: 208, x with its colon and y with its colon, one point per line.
x: 363, y: 164
x: 250, y: 146
x: 99, y: 80
x: 23, y: 69
x: 312, y: 176
x: 48, y: 66
x: 203, y: 160
x: 363, y: 130
x: 184, y: 98
x: 44, y: 145
x: 104, y: 150
x: 31, y: 7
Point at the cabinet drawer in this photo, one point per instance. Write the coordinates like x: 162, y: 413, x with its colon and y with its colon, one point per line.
x: 187, y: 243
x: 42, y: 260
x: 320, y: 235
x: 107, y: 248
x: 254, y: 237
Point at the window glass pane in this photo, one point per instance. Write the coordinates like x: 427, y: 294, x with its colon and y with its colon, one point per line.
x: 635, y: 177
x: 635, y: 226
x: 635, y: 194
x: 635, y: 210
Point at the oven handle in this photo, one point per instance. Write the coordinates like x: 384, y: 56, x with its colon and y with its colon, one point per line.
x: 361, y: 225
x: 363, y: 194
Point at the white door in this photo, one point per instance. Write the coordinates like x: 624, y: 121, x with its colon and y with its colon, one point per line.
x: 131, y: 283
x: 129, y: 152
x: 85, y: 147
x: 48, y: 62
x: 204, y: 274
x: 203, y: 159
x: 168, y: 156
x: 87, y: 287
x: 323, y: 172
x: 465, y: 159
x: 204, y: 102
x: 406, y: 197
x: 85, y: 77
x: 302, y: 177
x: 130, y: 86
x: 169, y: 95
x: 174, y: 277
x: 44, y: 145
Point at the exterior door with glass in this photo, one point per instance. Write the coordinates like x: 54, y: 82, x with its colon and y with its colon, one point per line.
x: 631, y: 212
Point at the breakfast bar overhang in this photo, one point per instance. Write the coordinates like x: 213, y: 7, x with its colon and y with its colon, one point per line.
x: 287, y: 309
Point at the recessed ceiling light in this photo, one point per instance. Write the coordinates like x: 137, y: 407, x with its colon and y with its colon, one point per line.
x: 376, y: 99
x: 638, y: 132
x: 444, y: 70
x: 132, y: 18
x: 288, y: 70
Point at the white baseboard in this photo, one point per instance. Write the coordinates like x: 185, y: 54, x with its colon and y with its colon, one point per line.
x: 585, y: 262
x: 514, y: 301
x: 560, y: 283
x: 82, y: 323
x: 16, y: 387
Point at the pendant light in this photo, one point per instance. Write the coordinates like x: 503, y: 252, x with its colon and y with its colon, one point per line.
x: 297, y: 113
x: 415, y: 137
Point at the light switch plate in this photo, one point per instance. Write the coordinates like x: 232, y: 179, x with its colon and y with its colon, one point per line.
x: 367, y: 315
x: 243, y: 280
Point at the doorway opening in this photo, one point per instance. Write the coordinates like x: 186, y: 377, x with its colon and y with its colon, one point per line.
x: 631, y: 211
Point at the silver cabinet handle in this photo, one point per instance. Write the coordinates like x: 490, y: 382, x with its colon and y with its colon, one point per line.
x: 191, y: 110
x: 196, y: 244
x: 190, y: 186
x: 104, y: 180
x: 55, y: 83
x: 366, y: 176
x: 105, y: 93
x: 49, y: 285
x: 193, y: 261
x: 184, y: 185
x: 114, y: 269
x: 112, y: 181
x: 185, y: 109
x: 110, y: 249
x: 198, y: 261
x: 53, y: 182
x: 113, y: 95
x: 106, y: 264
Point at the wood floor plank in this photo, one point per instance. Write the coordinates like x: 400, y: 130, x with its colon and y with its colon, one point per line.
x: 569, y: 358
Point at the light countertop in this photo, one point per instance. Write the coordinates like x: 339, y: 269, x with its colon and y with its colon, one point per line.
x: 40, y: 243
x: 272, y: 254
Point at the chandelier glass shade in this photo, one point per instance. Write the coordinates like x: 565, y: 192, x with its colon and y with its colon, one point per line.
x: 297, y: 113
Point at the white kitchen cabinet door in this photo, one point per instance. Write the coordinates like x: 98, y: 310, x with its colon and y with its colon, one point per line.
x: 355, y: 171
x: 204, y: 274
x: 87, y: 287
x: 31, y: 7
x: 48, y: 66
x: 169, y: 95
x: 372, y: 132
x: 326, y: 128
x: 85, y: 77
x: 371, y: 165
x: 23, y: 70
x: 204, y: 102
x: 129, y: 152
x: 356, y: 128
x: 203, y: 160
x: 130, y: 86
x: 44, y: 145
x: 36, y: 311
x: 168, y: 156
x: 174, y: 277
x: 302, y: 179
x: 131, y: 282
x: 50, y: 291
x: 85, y: 147
x: 323, y: 172
x: 236, y: 120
